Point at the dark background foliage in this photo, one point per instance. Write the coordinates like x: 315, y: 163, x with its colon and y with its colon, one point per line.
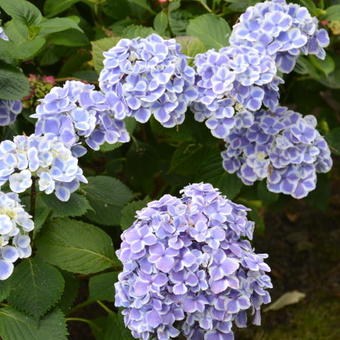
x: 66, y: 289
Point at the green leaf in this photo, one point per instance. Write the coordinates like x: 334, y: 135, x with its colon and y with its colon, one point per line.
x: 186, y: 159
x: 70, y: 292
x: 23, y: 51
x: 76, y: 246
x: 54, y: 25
x: 70, y: 37
x: 17, y: 326
x: 100, y: 46
x: 5, y: 289
x: 13, y: 83
x: 135, y: 31
x: 101, y: 287
x: 129, y: 212
x: 326, y: 66
x: 107, y: 196
x: 333, y: 139
x: 332, y: 13
x: 77, y: 205
x: 211, y: 171
x: 241, y: 5
x: 212, y: 30
x: 191, y: 46
x: 179, y: 20
x: 53, y: 7
x: 321, y: 196
x: 160, y: 23
x: 22, y: 10
x: 143, y: 4
x: 16, y: 31
x: 35, y: 287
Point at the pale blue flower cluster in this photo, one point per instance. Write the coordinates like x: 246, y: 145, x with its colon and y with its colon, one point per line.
x: 77, y: 111
x: 232, y: 80
x: 148, y: 76
x: 281, y: 146
x: 9, y: 110
x: 15, y: 224
x: 189, y: 268
x: 283, y: 31
x: 243, y: 77
x: 45, y: 158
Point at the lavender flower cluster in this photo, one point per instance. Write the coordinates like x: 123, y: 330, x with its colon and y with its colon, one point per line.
x: 282, y: 146
x: 76, y: 111
x: 148, y: 76
x: 188, y: 268
x: 233, y: 80
x: 282, y: 30
x: 9, y: 110
x: 43, y: 157
x: 15, y: 224
x: 243, y: 77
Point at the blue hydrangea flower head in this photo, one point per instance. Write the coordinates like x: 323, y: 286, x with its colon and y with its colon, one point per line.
x: 45, y: 158
x: 231, y: 80
x: 9, y: 110
x: 281, y: 146
x: 189, y: 268
x: 283, y: 30
x: 15, y: 224
x: 77, y: 111
x: 148, y: 76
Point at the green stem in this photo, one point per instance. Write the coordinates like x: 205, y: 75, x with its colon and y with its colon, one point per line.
x: 80, y: 306
x: 205, y: 6
x: 89, y: 322
x: 107, y: 309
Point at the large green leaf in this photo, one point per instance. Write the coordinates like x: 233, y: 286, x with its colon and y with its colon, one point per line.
x: 35, y: 287
x: 70, y: 37
x: 22, y: 10
x: 70, y: 292
x: 332, y: 13
x: 129, y: 212
x: 53, y: 7
x: 77, y: 205
x: 21, y: 50
x: 54, y: 25
x: 13, y: 83
x: 18, y: 326
x: 76, y: 246
x: 100, y: 46
x: 160, y: 22
x: 101, y: 287
x: 107, y: 196
x: 191, y: 45
x: 212, y: 30
x: 211, y: 171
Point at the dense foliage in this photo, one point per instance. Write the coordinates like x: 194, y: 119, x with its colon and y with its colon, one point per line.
x: 108, y: 105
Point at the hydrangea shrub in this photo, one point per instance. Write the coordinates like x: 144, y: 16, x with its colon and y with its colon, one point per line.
x: 215, y: 108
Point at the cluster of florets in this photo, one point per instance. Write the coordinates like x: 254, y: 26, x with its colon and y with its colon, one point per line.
x: 9, y: 110
x: 42, y: 158
x: 282, y: 146
x: 148, y: 76
x: 232, y: 80
x: 189, y: 269
x: 76, y: 111
x: 15, y: 224
x: 282, y: 30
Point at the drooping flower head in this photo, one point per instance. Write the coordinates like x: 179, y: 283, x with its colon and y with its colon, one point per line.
x: 231, y: 80
x: 77, y: 111
x: 282, y: 30
x: 9, y: 110
x: 282, y: 146
x: 15, y: 224
x: 44, y: 157
x: 148, y: 76
x: 189, y: 268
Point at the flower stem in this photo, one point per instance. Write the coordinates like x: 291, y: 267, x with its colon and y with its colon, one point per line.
x: 33, y: 198
x: 89, y: 322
